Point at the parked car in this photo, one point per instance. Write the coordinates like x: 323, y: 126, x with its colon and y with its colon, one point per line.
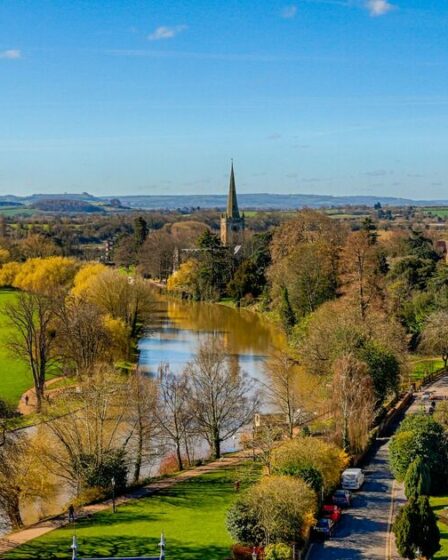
x: 342, y: 498
x: 324, y: 528
x: 426, y: 396
x: 352, y: 479
x: 331, y: 511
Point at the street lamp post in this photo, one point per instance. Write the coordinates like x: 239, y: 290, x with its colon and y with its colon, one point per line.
x: 74, y: 548
x: 162, y: 546
x: 114, y: 509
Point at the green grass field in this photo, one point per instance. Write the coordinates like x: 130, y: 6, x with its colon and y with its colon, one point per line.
x: 15, y: 377
x: 191, y: 515
x: 425, y: 366
x: 440, y: 212
x: 439, y: 503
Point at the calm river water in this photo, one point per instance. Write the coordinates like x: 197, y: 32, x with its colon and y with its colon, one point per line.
x: 178, y: 328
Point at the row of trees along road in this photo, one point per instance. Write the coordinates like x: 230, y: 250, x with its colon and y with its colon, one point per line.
x: 419, y: 458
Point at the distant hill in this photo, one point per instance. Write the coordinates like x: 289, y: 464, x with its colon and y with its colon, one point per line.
x: 86, y: 202
x: 260, y: 201
x: 57, y: 205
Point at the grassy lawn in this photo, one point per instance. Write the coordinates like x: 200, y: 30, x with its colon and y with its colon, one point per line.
x: 191, y: 515
x: 422, y: 367
x: 438, y: 503
x: 15, y: 377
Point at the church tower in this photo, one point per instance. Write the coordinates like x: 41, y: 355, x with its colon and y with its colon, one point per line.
x: 232, y: 223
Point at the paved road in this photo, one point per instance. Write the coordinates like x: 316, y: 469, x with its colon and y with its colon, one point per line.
x: 363, y: 530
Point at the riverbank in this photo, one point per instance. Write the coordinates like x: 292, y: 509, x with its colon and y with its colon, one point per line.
x: 182, y: 511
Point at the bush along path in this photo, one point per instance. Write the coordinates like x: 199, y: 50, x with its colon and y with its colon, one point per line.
x: 24, y: 536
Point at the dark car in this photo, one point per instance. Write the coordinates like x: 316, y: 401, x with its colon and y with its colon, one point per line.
x: 342, y: 498
x: 324, y: 528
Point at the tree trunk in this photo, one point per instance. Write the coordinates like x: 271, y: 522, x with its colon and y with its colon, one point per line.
x: 217, y: 447
x: 180, y: 463
x: 138, y: 460
x: 13, y: 512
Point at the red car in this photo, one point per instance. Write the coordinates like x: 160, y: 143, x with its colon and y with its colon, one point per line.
x: 332, y: 512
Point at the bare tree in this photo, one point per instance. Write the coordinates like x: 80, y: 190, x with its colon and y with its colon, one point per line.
x: 32, y: 338
x: 94, y: 428
x: 142, y: 400
x: 174, y: 412
x: 354, y: 401
x: 21, y: 476
x: 282, y: 377
x: 435, y: 335
x: 82, y: 337
x: 223, y: 400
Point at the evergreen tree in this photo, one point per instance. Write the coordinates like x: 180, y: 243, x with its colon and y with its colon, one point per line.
x: 140, y: 231
x: 418, y: 479
x: 287, y: 315
x: 416, y: 529
x: 429, y: 534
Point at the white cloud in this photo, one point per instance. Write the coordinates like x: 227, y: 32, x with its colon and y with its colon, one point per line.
x: 11, y: 54
x: 164, y: 32
x: 379, y: 7
x: 289, y: 12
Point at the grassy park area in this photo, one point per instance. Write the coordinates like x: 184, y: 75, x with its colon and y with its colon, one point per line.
x: 439, y: 503
x: 15, y: 377
x: 191, y: 514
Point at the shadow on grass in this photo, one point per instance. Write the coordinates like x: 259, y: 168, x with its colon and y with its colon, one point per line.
x: 119, y: 546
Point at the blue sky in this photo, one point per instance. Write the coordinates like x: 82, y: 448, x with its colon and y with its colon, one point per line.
x: 155, y: 96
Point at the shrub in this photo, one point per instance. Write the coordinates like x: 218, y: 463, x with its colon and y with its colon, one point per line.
x: 305, y: 452
x: 240, y: 552
x: 112, y: 465
x: 242, y: 523
x: 277, y: 509
x: 308, y: 473
x: 278, y: 552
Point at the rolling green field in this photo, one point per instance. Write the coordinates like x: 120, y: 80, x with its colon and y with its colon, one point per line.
x: 440, y: 212
x: 15, y: 377
x: 191, y: 515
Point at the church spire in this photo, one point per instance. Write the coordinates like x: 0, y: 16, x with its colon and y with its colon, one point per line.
x: 232, y: 203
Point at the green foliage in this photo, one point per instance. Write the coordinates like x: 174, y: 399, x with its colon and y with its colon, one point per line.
x: 140, y: 231
x: 418, y: 479
x: 383, y: 367
x: 420, y: 436
x: 416, y: 528
x: 242, y: 524
x: 310, y: 474
x: 287, y: 315
x: 113, y: 465
x: 278, y: 551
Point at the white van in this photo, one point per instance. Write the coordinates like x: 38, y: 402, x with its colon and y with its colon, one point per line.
x: 352, y: 479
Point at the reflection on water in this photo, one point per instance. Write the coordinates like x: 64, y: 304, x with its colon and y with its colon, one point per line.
x: 177, y: 328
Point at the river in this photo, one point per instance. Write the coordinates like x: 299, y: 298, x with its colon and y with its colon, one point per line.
x: 177, y: 328
x: 173, y: 335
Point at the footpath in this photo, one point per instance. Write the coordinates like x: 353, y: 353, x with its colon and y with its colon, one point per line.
x: 13, y: 540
